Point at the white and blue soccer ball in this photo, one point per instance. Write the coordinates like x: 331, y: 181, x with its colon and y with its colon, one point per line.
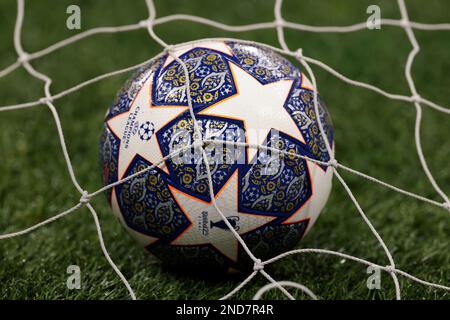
x: 241, y: 94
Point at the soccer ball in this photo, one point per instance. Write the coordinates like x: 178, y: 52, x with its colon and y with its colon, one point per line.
x: 243, y: 96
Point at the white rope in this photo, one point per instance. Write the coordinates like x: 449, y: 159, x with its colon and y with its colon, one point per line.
x: 293, y: 54
x: 279, y: 24
x: 299, y: 56
x: 106, y: 254
x: 372, y: 229
x: 412, y: 86
x: 23, y: 57
x: 222, y: 26
x: 199, y: 145
x: 270, y: 286
x: 359, y: 260
x: 40, y: 224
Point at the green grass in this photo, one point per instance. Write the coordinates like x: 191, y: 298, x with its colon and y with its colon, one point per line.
x: 373, y: 134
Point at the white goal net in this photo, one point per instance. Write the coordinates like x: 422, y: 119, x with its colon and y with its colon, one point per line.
x: 279, y: 24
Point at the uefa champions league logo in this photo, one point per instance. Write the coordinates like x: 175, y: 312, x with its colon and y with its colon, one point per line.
x: 146, y: 131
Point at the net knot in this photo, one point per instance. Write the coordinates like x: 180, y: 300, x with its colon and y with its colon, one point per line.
x: 23, y: 58
x: 447, y: 205
x: 416, y: 98
x: 170, y: 48
x: 45, y: 100
x: 299, y: 53
x: 84, y: 197
x: 258, y: 265
x: 145, y: 23
x: 389, y: 269
x: 333, y: 163
x: 279, y: 22
x: 404, y: 23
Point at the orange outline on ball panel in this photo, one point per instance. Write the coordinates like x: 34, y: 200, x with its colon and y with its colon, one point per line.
x: 233, y: 176
x: 299, y: 221
x: 229, y: 97
x: 166, y: 167
x: 229, y: 53
x: 306, y: 86
x: 245, y: 127
x: 123, y: 114
x: 306, y: 229
x: 238, y: 92
x: 151, y: 106
x: 116, y: 116
x: 216, y: 195
x: 131, y: 106
x: 302, y: 140
x: 149, y: 78
x: 172, y: 188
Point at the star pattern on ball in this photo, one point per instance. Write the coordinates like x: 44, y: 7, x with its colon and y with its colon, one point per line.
x: 126, y: 127
x: 207, y: 225
x: 257, y: 105
x: 219, y: 46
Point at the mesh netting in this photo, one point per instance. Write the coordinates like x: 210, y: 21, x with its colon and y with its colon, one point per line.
x: 279, y: 24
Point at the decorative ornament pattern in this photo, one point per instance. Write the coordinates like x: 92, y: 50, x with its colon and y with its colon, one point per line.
x: 210, y: 80
x: 171, y: 203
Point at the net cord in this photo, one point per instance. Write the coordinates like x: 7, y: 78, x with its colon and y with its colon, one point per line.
x: 279, y: 24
